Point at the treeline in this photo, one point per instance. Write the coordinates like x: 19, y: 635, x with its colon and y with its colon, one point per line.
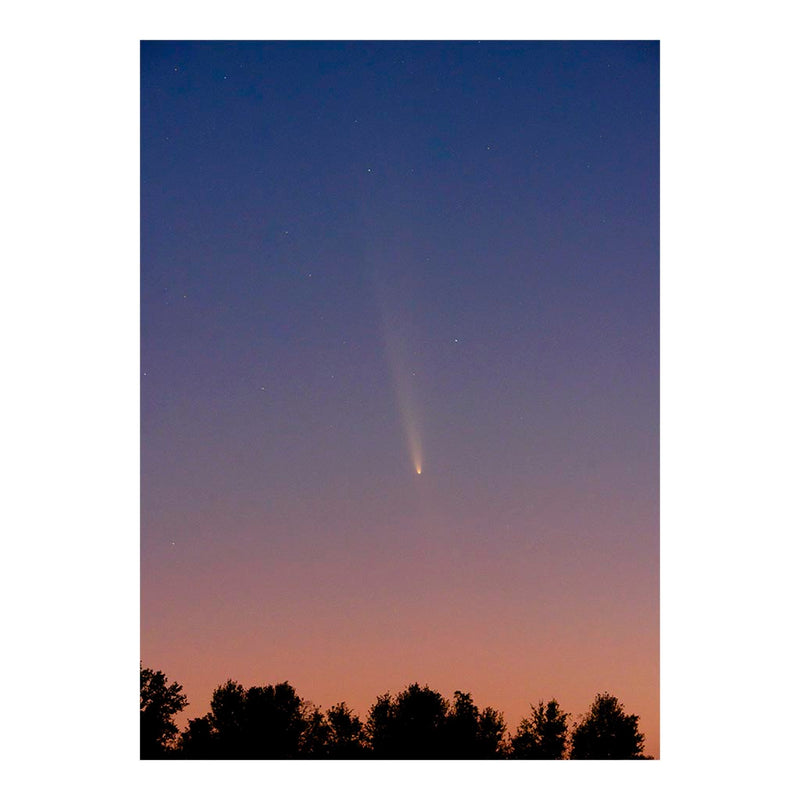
x: 272, y: 721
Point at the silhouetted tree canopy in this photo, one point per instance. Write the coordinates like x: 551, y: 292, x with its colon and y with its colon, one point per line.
x: 273, y: 721
x: 347, y: 735
x: 491, y: 733
x: 259, y: 722
x: 158, y: 703
x: 543, y: 734
x: 607, y: 732
x: 410, y: 725
x: 420, y: 723
x: 199, y: 739
x: 473, y: 734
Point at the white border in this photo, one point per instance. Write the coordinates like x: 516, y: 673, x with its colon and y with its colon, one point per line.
x: 729, y: 434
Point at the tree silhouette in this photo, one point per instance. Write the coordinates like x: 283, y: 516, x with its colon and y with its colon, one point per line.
x: 259, y: 722
x: 606, y: 732
x: 543, y: 734
x: 227, y: 720
x: 347, y: 736
x: 272, y: 721
x: 412, y: 725
x: 199, y: 740
x: 470, y: 734
x: 420, y: 723
x: 158, y: 703
x: 275, y: 722
x: 315, y: 741
x: 491, y: 732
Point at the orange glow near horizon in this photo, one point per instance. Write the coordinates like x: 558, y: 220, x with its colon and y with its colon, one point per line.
x: 440, y: 606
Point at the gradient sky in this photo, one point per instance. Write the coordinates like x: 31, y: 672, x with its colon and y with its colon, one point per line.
x: 363, y: 259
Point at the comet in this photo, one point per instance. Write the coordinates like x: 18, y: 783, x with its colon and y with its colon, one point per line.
x: 397, y: 358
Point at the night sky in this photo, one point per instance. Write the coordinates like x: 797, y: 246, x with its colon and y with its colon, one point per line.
x: 400, y: 370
